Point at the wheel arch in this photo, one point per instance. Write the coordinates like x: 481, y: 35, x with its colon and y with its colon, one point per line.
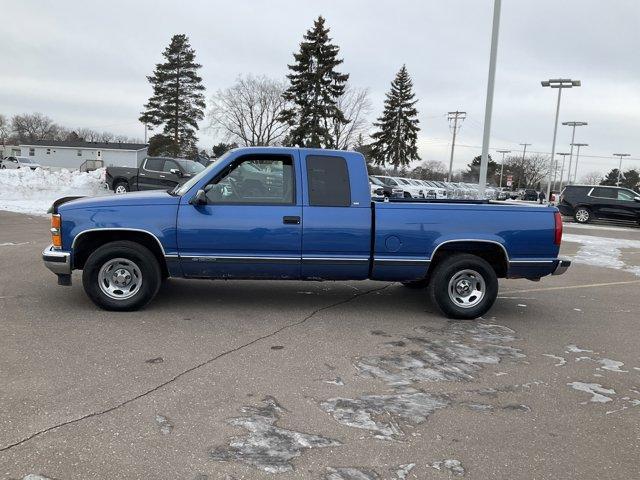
x: 87, y: 241
x: 492, y: 251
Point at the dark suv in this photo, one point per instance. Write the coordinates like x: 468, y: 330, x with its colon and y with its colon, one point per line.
x: 586, y: 202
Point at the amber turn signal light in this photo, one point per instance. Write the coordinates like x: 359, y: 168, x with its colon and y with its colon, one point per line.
x: 56, y: 233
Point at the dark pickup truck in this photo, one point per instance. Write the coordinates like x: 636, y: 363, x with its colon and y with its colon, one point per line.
x: 155, y: 173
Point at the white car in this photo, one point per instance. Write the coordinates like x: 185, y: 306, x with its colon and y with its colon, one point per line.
x: 19, y: 162
x: 412, y: 186
x: 395, y: 184
x: 441, y: 192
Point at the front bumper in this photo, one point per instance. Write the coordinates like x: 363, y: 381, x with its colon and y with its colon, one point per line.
x: 561, y: 267
x: 56, y: 261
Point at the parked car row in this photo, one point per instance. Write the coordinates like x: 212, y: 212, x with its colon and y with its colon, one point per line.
x: 383, y: 186
x: 13, y: 163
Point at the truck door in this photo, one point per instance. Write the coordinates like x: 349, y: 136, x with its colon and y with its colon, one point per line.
x: 251, y: 226
x: 336, y: 239
x: 149, y: 174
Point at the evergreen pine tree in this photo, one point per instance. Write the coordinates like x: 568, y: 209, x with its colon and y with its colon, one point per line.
x: 314, y: 88
x: 177, y: 101
x: 395, y: 141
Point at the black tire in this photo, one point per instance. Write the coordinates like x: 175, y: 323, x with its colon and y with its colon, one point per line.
x: 123, y: 184
x: 582, y: 215
x: 444, y: 273
x: 149, y: 272
x: 407, y: 195
x: 416, y: 284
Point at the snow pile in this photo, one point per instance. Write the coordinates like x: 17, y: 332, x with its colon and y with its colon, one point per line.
x: 33, y: 191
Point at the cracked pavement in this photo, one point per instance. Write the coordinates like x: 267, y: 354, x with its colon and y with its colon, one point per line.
x: 93, y: 394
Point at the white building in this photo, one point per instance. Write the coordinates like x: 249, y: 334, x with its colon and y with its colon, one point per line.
x: 86, y: 155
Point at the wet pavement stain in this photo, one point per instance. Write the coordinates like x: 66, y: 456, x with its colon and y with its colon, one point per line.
x: 154, y: 360
x: 266, y: 446
x: 166, y: 427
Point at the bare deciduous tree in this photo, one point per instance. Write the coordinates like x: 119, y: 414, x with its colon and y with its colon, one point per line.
x: 430, y: 170
x: 33, y: 126
x: 247, y: 112
x: 354, y: 103
x: 4, y: 129
x: 529, y: 171
x: 592, y: 178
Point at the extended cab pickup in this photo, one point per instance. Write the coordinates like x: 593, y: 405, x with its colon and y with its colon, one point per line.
x: 311, y: 218
x: 155, y: 173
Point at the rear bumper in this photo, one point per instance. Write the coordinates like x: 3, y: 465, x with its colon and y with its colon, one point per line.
x: 561, y: 267
x: 56, y: 261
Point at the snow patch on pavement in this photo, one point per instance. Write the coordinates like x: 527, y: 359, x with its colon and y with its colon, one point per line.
x: 33, y: 191
x: 454, y: 466
x: 597, y: 391
x: 561, y: 360
x: 602, y: 251
x: 267, y: 447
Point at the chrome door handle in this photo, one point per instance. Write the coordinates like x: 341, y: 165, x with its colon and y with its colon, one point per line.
x: 162, y: 176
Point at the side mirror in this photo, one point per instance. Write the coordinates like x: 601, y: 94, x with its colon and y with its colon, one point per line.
x: 200, y: 198
x: 177, y: 172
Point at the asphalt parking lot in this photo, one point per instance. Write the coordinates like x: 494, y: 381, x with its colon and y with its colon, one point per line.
x: 357, y: 380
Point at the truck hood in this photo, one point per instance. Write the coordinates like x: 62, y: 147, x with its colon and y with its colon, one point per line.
x: 153, y: 197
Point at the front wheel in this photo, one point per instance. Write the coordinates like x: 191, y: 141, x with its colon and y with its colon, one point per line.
x: 582, y: 215
x: 463, y: 286
x: 121, y: 276
x: 121, y: 187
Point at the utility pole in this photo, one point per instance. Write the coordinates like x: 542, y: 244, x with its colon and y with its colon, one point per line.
x: 503, y: 152
x: 573, y: 139
x: 575, y: 175
x: 488, y: 109
x: 145, y: 133
x: 524, y: 152
x: 454, y: 116
x: 564, y: 155
x: 559, y: 83
x: 620, y: 155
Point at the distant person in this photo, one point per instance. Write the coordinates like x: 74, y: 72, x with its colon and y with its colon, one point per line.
x: 541, y: 197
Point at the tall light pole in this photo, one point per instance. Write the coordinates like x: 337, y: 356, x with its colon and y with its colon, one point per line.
x: 524, y: 152
x: 575, y: 174
x: 503, y: 152
x: 558, y: 83
x: 564, y: 155
x: 573, y: 139
x: 620, y: 155
x: 484, y: 163
x: 454, y: 116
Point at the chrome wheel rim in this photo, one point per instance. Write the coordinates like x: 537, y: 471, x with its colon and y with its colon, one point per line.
x: 120, y: 278
x: 582, y: 215
x: 120, y: 189
x: 467, y: 288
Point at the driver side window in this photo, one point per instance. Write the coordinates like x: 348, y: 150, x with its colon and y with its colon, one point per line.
x: 255, y: 179
x: 626, y: 195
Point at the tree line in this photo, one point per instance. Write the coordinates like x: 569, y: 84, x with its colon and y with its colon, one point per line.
x: 29, y: 127
x: 316, y: 106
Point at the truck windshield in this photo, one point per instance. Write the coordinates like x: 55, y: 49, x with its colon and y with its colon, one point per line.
x: 190, y: 166
x: 184, y: 188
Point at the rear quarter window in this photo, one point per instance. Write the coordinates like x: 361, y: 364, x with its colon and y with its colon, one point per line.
x: 328, y: 180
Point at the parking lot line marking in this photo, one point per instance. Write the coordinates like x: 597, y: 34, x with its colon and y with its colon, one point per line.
x: 570, y: 287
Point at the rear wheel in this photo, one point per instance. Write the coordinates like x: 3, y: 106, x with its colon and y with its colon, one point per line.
x: 463, y: 286
x: 121, y: 276
x: 121, y: 187
x: 582, y: 215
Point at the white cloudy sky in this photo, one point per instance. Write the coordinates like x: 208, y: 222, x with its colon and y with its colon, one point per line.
x: 84, y: 62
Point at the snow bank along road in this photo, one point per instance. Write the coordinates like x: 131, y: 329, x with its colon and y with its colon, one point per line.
x: 321, y: 380
x: 33, y: 191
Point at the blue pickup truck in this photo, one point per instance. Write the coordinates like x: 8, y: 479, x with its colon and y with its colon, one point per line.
x: 310, y: 218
